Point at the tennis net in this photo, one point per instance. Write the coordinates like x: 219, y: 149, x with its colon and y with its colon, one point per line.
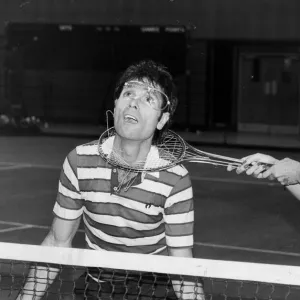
x: 90, y: 274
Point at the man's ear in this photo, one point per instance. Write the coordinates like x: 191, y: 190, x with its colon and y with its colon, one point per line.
x: 115, y: 105
x: 163, y: 120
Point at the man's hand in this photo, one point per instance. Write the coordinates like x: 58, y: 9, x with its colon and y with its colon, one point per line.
x: 286, y: 171
x: 255, y: 165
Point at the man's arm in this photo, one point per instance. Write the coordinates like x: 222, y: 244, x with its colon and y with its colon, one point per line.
x: 179, y: 229
x: 285, y: 171
x: 40, y: 278
x: 187, y: 289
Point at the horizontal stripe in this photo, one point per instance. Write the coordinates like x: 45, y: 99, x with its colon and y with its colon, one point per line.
x: 161, y: 251
x: 179, y: 229
x: 66, y: 192
x: 178, y: 170
x: 181, y: 185
x: 92, y: 245
x: 94, y: 173
x: 70, y: 174
x: 69, y: 203
x: 145, y: 249
x: 99, y: 197
x: 180, y: 241
x: 121, y: 222
x: 113, y: 209
x: 90, y: 161
x: 88, y: 149
x: 169, y: 178
x: 68, y: 214
x: 155, y: 187
x: 180, y: 207
x: 152, y: 174
x: 179, y: 197
x: 124, y: 232
x: 180, y: 218
x: 125, y: 241
x: 143, y: 197
x: 65, y: 181
x: 95, y: 185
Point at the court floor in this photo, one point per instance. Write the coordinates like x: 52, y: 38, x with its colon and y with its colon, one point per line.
x: 237, y: 217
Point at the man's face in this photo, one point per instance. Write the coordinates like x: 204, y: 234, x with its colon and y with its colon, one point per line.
x: 138, y: 110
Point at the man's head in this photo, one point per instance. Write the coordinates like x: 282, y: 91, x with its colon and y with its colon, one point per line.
x: 145, y: 101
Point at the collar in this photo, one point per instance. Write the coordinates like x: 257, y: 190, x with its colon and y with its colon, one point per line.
x: 153, y: 154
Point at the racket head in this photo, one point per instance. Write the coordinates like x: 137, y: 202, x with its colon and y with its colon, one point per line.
x: 169, y: 152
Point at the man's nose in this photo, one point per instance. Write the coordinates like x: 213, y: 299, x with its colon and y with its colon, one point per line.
x: 134, y: 101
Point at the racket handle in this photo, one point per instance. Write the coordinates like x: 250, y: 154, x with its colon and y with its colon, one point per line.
x: 246, y: 167
x: 265, y: 166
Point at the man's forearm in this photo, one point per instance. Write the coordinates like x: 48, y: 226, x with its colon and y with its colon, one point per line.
x: 38, y: 281
x: 40, y: 277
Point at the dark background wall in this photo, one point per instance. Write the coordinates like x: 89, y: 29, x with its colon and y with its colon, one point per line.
x: 215, y: 27
x: 218, y: 19
x: 69, y: 71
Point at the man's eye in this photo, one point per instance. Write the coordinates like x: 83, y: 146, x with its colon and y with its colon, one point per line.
x: 127, y: 94
x: 150, y: 99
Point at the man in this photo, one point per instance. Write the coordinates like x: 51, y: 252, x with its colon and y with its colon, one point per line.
x: 148, y: 213
x: 285, y: 171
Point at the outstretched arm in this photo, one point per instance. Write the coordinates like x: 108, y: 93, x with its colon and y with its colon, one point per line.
x: 179, y: 225
x: 286, y: 171
x: 186, y: 289
x: 40, y: 278
x: 68, y: 210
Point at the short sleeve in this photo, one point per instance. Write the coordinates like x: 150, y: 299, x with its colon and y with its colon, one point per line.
x: 68, y: 205
x: 179, y: 215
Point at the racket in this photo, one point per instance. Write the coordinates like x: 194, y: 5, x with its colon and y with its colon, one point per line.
x: 171, y: 151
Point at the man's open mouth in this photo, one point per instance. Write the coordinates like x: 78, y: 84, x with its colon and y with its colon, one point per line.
x: 130, y: 119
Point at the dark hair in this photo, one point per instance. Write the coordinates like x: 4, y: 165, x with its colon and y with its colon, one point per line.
x: 157, y: 74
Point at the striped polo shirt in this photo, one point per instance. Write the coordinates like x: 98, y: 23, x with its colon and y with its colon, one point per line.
x: 155, y: 213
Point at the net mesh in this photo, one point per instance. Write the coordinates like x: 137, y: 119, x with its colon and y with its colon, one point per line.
x: 170, y: 151
x: 90, y: 274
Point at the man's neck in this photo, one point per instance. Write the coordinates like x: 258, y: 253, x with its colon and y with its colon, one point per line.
x: 133, y: 152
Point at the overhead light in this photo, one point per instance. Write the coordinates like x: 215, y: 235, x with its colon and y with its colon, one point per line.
x: 65, y: 27
x: 174, y: 29
x: 150, y: 29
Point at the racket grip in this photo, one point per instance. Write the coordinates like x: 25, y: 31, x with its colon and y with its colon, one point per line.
x: 265, y: 166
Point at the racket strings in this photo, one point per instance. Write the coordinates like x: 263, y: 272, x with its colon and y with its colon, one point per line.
x: 117, y: 159
x: 171, y: 148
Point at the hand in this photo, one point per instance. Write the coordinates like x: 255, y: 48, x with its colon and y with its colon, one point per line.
x: 254, y: 165
x: 286, y: 171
